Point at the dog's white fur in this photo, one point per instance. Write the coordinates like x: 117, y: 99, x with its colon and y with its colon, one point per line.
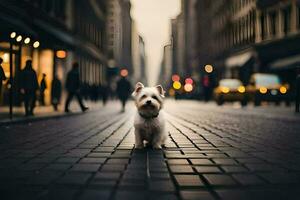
x: 149, y: 121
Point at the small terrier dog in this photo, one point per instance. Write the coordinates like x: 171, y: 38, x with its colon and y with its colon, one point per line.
x: 149, y: 122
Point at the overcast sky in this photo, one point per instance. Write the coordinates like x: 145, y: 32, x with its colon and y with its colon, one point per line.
x: 153, y: 23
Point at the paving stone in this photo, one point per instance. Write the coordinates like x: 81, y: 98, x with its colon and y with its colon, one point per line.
x: 195, y: 195
x: 225, y: 161
x: 188, y: 180
x: 70, y: 160
x: 93, y: 160
x: 219, y: 179
x: 231, y: 169
x: 201, y: 162
x: 115, y: 167
x: 58, y: 166
x: 73, y: 178
x: 95, y: 195
x: 207, y: 169
x: 248, y: 179
x: 181, y: 169
x: 86, y: 167
x: 161, y: 186
x: 107, y: 175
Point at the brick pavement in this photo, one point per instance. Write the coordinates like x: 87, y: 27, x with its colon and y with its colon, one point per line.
x: 211, y: 153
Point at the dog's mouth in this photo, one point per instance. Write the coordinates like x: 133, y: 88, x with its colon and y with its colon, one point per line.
x: 148, y: 106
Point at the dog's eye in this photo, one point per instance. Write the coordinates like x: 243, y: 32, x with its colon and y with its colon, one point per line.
x: 154, y: 97
x: 144, y: 96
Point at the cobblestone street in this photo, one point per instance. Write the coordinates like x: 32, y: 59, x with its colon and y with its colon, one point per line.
x: 212, y: 153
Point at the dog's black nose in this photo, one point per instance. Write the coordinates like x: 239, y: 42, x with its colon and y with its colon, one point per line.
x: 148, y: 102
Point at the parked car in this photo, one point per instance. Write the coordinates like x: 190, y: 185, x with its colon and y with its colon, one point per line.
x: 230, y: 90
x: 267, y: 87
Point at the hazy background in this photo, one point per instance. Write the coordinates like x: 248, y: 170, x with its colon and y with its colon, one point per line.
x: 153, y: 22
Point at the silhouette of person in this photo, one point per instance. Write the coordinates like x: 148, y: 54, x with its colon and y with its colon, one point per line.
x: 73, y: 86
x: 29, y: 86
x: 207, y: 88
x: 55, y: 92
x: 2, y: 77
x: 297, y: 109
x: 104, y: 93
x: 123, y: 91
x: 43, y: 87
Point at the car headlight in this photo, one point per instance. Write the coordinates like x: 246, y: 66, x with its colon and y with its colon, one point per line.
x: 263, y: 90
x: 282, y: 90
x: 225, y: 89
x: 241, y: 89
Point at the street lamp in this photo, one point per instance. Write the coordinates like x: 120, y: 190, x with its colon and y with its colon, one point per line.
x: 27, y: 40
x: 36, y: 44
x: 13, y: 35
x: 19, y: 38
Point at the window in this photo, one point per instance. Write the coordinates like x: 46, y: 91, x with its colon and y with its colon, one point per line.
x: 287, y: 20
x: 273, y: 23
x: 298, y: 9
x: 262, y: 24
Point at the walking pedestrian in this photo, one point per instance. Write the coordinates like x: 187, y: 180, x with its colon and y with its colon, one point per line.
x: 123, y: 91
x: 297, y: 94
x: 29, y: 86
x: 73, y: 87
x: 55, y: 92
x: 2, y: 77
x: 43, y: 87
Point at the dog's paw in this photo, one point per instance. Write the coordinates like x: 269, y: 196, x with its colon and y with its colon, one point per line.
x: 139, y: 146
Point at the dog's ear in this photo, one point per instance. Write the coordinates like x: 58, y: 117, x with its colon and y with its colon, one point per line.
x: 138, y: 87
x: 160, y: 90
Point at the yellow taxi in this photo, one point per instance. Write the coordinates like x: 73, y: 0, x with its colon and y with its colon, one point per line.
x: 230, y: 90
x: 267, y: 87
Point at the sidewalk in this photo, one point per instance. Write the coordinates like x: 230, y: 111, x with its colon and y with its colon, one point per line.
x: 42, y: 112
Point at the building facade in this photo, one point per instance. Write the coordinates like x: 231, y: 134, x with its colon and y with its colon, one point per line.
x: 251, y: 36
x: 53, y: 34
x: 138, y: 56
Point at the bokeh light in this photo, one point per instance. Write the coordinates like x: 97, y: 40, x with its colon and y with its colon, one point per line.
x: 27, y: 40
x: 175, y: 77
x: 19, y: 38
x: 241, y: 89
x: 225, y: 89
x: 36, y: 44
x: 263, y: 90
x: 176, y: 85
x: 282, y: 90
x: 171, y: 92
x: 13, y: 35
x: 188, y: 87
x: 189, y: 81
x: 61, y: 54
x: 209, y: 68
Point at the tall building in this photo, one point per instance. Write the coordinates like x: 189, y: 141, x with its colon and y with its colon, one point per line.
x: 166, y: 67
x: 53, y: 34
x: 252, y: 36
x: 184, y: 34
x: 119, y: 32
x: 138, y: 56
x: 143, y: 60
x: 114, y: 32
x: 126, y: 59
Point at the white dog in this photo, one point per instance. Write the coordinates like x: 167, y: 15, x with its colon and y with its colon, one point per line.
x: 149, y: 122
